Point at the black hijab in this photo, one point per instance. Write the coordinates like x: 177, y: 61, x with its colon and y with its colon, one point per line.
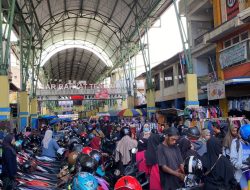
x: 222, y: 174
x: 7, y: 143
x: 214, y: 149
x: 150, y: 154
x: 185, y: 148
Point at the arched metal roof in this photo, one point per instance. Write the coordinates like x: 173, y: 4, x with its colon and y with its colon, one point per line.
x: 104, y: 23
x: 75, y: 64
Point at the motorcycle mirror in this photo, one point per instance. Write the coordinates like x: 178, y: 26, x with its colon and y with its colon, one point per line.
x: 134, y: 150
x: 117, y: 172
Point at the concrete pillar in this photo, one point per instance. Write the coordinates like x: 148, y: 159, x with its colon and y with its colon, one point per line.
x: 124, y: 104
x: 4, y: 98
x: 33, y: 113
x: 191, y: 91
x: 131, y: 102
x: 23, y: 101
x: 150, y: 102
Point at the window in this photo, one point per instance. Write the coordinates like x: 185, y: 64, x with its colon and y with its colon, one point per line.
x: 244, y: 36
x: 181, y: 73
x: 227, y: 43
x: 168, y: 77
x: 236, y: 39
x: 157, y: 81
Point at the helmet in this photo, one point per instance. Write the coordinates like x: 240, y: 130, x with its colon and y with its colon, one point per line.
x: 25, y: 144
x: 86, y: 163
x: 85, y: 181
x: 73, y: 141
x: 72, y: 158
x: 86, y: 150
x: 28, y: 166
x: 125, y: 131
x: 96, y: 155
x: 245, y: 132
x: 193, y: 133
x: 193, y: 165
x: 89, y: 127
x: 83, y: 134
x: 91, y: 136
x: 77, y: 148
x: 127, y: 182
x: 66, y: 139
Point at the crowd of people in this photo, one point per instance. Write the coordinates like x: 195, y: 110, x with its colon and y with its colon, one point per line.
x: 162, y: 151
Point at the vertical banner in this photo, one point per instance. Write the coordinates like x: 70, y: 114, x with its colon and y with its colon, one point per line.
x: 232, y: 8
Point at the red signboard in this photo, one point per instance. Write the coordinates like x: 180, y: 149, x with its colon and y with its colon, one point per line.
x: 232, y: 8
x: 77, y: 97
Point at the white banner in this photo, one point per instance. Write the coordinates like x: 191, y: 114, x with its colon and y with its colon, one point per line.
x: 216, y: 90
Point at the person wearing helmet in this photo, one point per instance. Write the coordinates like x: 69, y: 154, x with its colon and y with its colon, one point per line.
x: 127, y: 182
x: 49, y: 145
x: 123, y: 148
x: 239, y: 154
x: 218, y: 171
x: 194, y: 134
x: 170, y: 161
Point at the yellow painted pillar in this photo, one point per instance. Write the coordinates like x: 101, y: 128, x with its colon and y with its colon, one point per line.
x: 23, y: 101
x: 124, y: 104
x: 150, y: 102
x: 131, y: 102
x: 4, y: 98
x: 191, y: 91
x: 33, y: 113
x: 217, y: 21
x: 106, y: 108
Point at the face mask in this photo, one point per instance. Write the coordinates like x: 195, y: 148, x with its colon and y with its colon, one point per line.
x: 146, y: 130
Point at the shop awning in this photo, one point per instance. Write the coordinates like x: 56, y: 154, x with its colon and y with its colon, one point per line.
x: 238, y: 81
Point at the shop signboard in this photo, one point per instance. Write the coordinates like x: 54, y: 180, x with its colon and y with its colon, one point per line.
x: 233, y: 55
x: 216, y: 90
x: 232, y: 8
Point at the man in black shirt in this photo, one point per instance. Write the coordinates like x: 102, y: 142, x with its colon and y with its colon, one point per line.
x: 170, y: 161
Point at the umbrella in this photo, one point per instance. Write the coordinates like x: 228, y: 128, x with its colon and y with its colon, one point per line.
x: 130, y: 113
x: 144, y: 111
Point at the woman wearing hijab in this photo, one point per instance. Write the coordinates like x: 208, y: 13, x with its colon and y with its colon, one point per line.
x: 230, y: 136
x: 49, y: 145
x: 140, y: 155
x: 9, y: 162
x: 186, y: 149
x: 219, y: 172
x: 151, y: 160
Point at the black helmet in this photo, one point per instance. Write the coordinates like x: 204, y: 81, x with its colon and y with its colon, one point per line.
x: 73, y: 141
x: 193, y: 133
x: 193, y: 165
x: 25, y: 144
x: 66, y: 139
x: 26, y: 167
x: 171, y: 131
x: 96, y: 155
x: 77, y: 148
x: 125, y: 131
x: 86, y: 164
